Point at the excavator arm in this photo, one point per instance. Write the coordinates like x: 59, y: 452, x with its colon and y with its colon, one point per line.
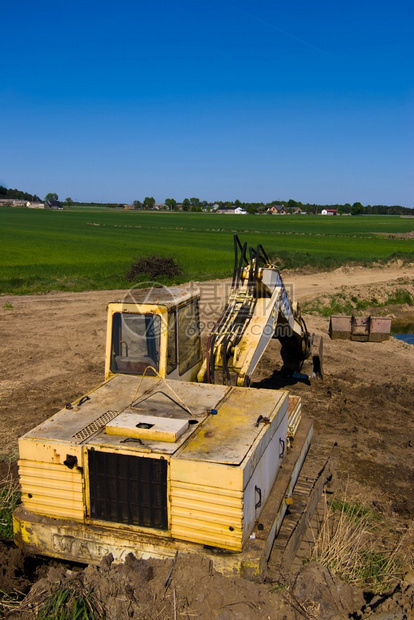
x: 258, y: 309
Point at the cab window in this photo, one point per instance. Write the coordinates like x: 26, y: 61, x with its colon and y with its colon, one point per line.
x: 135, y: 342
x: 189, y: 348
x: 172, y: 342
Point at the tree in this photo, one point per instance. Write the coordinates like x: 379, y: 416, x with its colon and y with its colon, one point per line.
x: 50, y: 197
x: 137, y: 204
x: 357, y: 208
x: 149, y: 202
x: 68, y: 202
x: 171, y: 203
x: 195, y: 202
x: 186, y: 204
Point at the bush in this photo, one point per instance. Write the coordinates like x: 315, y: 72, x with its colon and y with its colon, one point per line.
x: 153, y: 267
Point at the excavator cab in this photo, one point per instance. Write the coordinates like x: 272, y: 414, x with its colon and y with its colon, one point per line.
x: 155, y: 331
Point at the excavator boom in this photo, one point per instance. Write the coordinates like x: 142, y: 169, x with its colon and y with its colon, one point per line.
x: 258, y: 309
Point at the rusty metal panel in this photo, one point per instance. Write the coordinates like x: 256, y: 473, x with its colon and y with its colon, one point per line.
x: 241, y: 418
x: 220, y: 483
x: 52, y: 489
x: 340, y: 327
x: 45, y: 452
x: 360, y: 327
x: 207, y: 515
x: 380, y: 329
x: 216, y: 475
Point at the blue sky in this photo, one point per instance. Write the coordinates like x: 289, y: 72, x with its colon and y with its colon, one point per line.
x: 268, y: 100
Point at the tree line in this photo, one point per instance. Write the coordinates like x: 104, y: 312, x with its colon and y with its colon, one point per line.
x: 290, y: 206
x: 16, y: 194
x: 196, y: 205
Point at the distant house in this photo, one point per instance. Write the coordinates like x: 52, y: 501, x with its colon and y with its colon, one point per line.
x: 276, y: 210
x: 329, y: 212
x: 12, y: 202
x: 159, y: 206
x: 232, y: 210
x: 225, y: 210
x: 53, y: 204
x: 35, y: 205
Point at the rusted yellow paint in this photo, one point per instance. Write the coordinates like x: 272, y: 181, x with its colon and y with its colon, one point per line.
x: 46, y: 452
x: 89, y: 543
x: 52, y: 489
x: 214, y: 467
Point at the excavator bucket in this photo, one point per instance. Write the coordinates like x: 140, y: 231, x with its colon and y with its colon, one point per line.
x: 360, y: 329
x: 317, y: 356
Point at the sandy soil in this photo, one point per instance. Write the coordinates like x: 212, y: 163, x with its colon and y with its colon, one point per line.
x: 53, y: 351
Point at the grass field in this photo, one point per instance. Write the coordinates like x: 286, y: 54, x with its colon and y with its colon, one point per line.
x: 85, y: 250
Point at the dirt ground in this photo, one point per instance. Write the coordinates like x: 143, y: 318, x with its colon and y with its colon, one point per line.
x: 53, y: 352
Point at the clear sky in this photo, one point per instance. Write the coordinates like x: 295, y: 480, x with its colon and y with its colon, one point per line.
x: 220, y: 99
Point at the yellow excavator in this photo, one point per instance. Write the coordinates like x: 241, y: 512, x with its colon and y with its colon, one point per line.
x: 172, y: 452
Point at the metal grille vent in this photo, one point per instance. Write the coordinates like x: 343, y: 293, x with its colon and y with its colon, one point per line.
x: 128, y: 489
x: 95, y: 426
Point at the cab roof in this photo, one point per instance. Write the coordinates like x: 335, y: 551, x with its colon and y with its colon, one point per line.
x: 168, y: 296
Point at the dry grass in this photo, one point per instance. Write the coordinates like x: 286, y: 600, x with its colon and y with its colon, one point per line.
x: 355, y: 543
x: 9, y: 500
x: 9, y: 452
x: 68, y: 601
x: 9, y: 602
x: 72, y: 602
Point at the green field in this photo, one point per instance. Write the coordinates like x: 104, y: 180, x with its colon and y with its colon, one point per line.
x: 85, y: 250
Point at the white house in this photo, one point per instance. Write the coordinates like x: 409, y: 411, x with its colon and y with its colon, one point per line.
x: 233, y: 210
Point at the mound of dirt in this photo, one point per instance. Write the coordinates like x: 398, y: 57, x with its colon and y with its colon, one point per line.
x: 189, y: 587
x: 18, y: 571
